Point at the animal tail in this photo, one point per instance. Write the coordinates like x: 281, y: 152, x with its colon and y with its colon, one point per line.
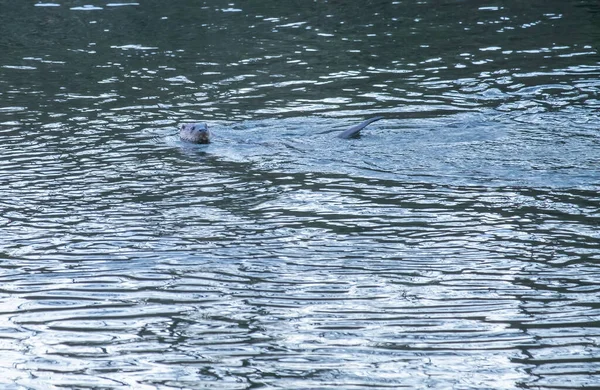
x: 354, y: 130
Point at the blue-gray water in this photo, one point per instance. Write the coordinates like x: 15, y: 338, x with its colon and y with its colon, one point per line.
x: 454, y: 245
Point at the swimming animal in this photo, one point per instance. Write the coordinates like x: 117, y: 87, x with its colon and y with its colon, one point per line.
x: 198, y: 133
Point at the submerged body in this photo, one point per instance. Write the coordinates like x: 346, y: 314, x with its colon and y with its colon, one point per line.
x: 198, y: 133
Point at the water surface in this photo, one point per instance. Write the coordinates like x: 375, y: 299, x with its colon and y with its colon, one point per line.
x: 455, y: 244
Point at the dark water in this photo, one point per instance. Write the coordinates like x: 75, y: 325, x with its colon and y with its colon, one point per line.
x: 455, y: 244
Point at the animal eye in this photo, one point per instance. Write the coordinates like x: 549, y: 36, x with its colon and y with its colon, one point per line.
x: 182, y: 127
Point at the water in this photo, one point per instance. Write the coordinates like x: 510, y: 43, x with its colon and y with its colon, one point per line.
x: 455, y: 244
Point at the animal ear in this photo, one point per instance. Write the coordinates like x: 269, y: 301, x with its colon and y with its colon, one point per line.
x: 182, y: 127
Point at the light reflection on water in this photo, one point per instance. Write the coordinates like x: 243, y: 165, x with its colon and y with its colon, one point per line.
x: 453, y: 245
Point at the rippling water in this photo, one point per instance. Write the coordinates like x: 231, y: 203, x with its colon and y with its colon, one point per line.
x: 455, y: 244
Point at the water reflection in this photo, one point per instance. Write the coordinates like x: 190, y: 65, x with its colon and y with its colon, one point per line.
x: 454, y: 244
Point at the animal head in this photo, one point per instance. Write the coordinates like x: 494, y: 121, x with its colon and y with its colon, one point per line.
x: 195, y: 132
